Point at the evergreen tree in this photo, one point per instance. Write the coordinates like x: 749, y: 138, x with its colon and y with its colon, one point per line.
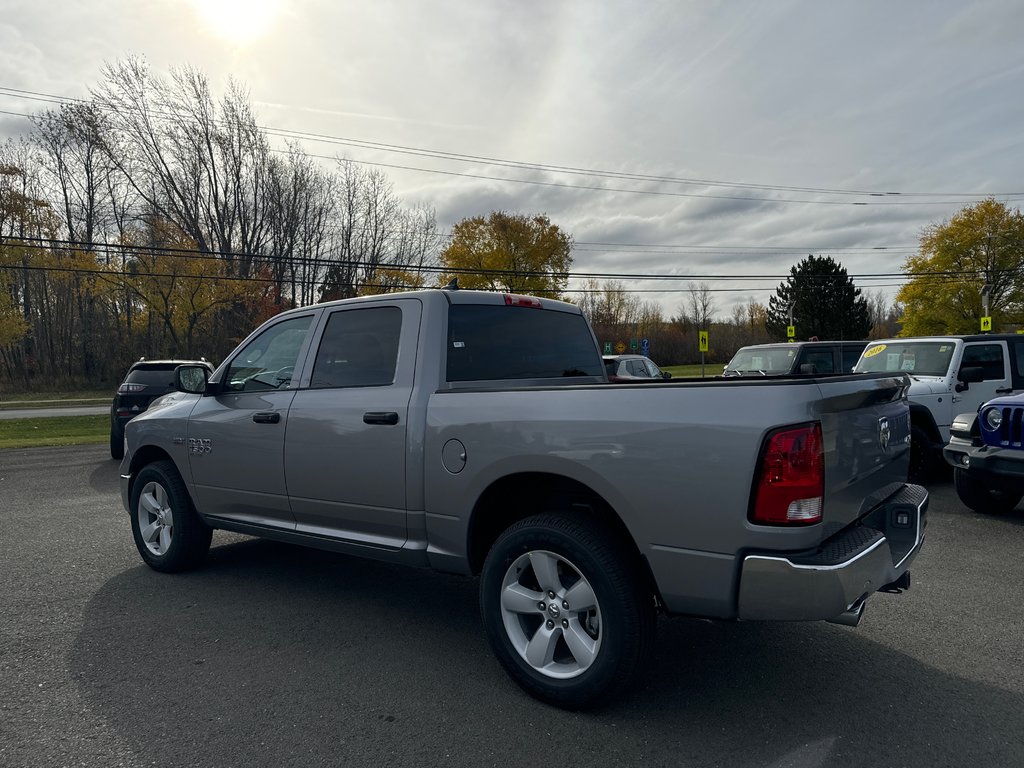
x: 826, y: 304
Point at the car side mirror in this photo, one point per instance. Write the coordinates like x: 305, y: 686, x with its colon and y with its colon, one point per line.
x: 666, y: 375
x: 972, y: 374
x: 191, y: 378
x: 810, y: 368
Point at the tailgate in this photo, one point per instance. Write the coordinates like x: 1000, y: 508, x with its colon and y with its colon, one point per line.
x: 865, y: 423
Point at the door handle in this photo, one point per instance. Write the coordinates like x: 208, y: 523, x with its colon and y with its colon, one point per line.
x: 380, y: 417
x: 1004, y: 391
x: 267, y: 418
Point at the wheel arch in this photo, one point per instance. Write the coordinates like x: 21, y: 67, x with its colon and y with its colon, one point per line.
x: 922, y: 418
x: 521, y: 495
x: 148, y: 454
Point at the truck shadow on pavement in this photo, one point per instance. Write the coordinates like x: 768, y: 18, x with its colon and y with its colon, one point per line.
x: 106, y: 477
x: 276, y: 655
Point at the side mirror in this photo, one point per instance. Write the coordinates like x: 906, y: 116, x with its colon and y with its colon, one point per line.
x: 972, y: 374
x: 808, y: 368
x: 666, y: 375
x: 191, y: 378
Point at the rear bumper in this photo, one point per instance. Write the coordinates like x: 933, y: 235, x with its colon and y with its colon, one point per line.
x: 841, y: 574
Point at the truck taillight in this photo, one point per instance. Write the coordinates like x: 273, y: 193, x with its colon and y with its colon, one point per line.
x: 514, y: 300
x: 791, y: 480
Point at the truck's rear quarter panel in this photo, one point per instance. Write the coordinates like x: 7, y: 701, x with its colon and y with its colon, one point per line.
x: 675, y: 461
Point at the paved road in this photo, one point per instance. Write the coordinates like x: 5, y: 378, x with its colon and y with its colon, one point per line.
x: 35, y: 413
x: 275, y: 656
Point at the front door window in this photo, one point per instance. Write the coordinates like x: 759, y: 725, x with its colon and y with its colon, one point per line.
x: 268, y: 361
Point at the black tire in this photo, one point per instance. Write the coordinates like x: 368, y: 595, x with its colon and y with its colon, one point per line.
x: 973, y: 493
x: 619, y: 629
x: 116, y: 443
x: 921, y: 455
x: 160, y: 492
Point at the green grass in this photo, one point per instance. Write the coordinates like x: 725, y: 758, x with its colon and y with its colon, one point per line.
x: 54, y: 430
x: 691, y: 371
x: 55, y: 399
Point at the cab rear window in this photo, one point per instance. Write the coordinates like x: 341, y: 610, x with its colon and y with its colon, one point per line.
x: 500, y: 342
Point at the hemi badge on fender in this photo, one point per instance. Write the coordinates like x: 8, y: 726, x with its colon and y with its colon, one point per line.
x: 179, y: 441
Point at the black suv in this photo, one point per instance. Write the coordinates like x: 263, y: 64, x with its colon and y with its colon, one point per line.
x: 145, y: 381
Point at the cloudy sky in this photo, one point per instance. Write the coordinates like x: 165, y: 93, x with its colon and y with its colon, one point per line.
x: 758, y: 119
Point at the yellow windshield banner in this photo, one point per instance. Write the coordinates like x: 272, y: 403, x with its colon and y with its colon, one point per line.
x: 874, y: 350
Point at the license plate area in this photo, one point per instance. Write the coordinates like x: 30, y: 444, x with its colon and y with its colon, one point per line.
x: 902, y: 518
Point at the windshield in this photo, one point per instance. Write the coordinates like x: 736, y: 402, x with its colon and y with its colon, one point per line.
x: 763, y: 360
x: 922, y: 358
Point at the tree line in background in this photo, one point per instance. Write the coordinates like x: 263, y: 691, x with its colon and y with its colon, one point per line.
x: 620, y: 318
x: 155, y: 220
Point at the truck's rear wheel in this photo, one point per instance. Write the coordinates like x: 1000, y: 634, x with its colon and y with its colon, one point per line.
x: 167, y: 531
x: 568, y: 612
x: 973, y: 493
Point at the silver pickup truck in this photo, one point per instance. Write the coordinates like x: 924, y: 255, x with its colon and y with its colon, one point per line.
x: 477, y: 433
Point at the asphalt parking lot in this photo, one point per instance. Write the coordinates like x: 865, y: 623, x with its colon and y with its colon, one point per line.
x: 276, y: 656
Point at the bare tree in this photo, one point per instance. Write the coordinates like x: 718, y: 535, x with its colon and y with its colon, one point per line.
x: 883, y: 314
x: 700, y: 305
x: 196, y: 163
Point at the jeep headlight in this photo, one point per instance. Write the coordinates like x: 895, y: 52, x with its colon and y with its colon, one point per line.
x: 994, y: 418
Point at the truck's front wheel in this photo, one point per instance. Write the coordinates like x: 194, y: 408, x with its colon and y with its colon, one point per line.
x: 168, y: 533
x: 973, y: 493
x: 567, y: 611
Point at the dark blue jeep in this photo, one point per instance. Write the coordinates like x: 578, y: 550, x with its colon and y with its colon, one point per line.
x: 986, y: 450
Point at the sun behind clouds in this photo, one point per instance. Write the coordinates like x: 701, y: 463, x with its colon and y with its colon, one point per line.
x: 238, y: 21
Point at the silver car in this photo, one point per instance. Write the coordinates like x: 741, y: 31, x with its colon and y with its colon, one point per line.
x: 631, y: 367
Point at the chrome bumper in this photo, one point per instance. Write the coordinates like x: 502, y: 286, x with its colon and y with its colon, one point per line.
x: 846, y: 570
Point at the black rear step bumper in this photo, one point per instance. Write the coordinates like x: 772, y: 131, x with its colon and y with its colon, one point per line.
x: 843, y: 572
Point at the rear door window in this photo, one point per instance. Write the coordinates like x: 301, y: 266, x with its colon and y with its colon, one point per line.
x: 821, y: 359
x: 637, y: 368
x: 487, y: 342
x: 359, y: 348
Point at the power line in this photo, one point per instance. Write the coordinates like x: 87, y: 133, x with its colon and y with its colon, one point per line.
x: 49, y: 244
x: 441, y: 154
x: 285, y: 282
x: 285, y: 133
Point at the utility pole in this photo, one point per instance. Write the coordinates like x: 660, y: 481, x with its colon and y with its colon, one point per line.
x: 985, y: 317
